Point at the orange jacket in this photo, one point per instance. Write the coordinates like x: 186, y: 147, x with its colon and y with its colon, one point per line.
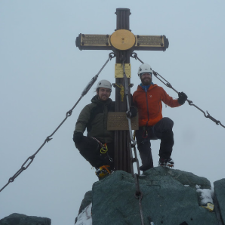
x: 149, y: 104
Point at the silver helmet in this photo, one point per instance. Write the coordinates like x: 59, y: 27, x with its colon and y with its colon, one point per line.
x: 104, y: 84
x: 144, y: 68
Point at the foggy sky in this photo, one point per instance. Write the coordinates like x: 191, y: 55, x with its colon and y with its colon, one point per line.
x: 42, y: 75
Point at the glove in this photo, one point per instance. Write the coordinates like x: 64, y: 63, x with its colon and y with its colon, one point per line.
x: 182, y: 98
x: 77, y: 137
x: 132, y: 112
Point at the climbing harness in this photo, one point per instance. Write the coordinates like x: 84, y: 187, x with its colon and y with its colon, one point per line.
x: 145, y: 132
x: 104, y: 149
x: 138, y: 193
x: 164, y: 81
x: 104, y: 170
x: 30, y: 159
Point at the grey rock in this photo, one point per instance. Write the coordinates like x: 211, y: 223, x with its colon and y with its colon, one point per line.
x: 183, y: 177
x: 169, y: 197
x: 20, y: 219
x: 219, y: 194
x: 86, y: 201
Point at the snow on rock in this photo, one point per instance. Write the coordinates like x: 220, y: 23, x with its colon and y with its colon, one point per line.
x: 85, y: 217
x: 206, y: 195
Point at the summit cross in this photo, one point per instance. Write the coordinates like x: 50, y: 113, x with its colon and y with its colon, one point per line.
x: 122, y: 42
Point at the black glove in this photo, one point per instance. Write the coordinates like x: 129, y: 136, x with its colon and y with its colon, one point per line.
x: 77, y: 137
x: 182, y: 98
x: 132, y: 112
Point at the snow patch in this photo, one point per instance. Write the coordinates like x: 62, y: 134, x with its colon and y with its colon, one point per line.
x: 206, y: 195
x: 85, y: 218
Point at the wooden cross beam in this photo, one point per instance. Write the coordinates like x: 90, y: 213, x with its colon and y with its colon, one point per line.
x: 122, y: 42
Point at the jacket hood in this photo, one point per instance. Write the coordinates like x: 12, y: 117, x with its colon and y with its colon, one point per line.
x: 140, y: 87
x: 97, y: 101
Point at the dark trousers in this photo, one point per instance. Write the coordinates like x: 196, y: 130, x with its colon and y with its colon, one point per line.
x: 89, y: 148
x: 161, y: 130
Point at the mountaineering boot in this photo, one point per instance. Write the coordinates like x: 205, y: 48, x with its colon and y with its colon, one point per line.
x: 166, y: 162
x: 103, y: 171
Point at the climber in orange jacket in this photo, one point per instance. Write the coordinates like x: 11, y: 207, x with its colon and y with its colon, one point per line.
x: 148, y: 99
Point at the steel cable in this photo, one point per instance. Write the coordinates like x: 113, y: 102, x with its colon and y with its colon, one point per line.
x: 138, y: 193
x: 30, y: 159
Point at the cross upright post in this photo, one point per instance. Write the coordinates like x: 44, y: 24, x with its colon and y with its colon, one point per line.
x: 122, y: 42
x: 122, y: 153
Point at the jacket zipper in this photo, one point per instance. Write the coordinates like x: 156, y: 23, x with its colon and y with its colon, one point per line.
x: 147, y: 107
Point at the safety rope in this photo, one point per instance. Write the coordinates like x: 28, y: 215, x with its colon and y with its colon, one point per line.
x: 138, y: 193
x: 69, y: 113
x: 134, y: 55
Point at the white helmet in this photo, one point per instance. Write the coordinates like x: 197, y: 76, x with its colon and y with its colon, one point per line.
x: 104, y: 84
x: 144, y: 68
